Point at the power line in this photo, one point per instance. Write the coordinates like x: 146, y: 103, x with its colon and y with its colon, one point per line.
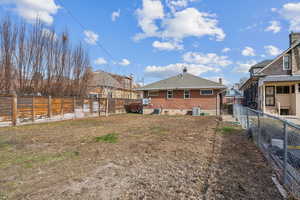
x: 84, y: 28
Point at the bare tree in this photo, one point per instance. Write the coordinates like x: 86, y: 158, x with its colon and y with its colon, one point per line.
x: 37, y: 60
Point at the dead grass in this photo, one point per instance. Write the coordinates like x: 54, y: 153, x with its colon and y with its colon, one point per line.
x: 132, y: 157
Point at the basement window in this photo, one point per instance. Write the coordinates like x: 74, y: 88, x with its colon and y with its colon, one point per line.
x: 283, y: 89
x: 187, y: 94
x: 206, y: 92
x: 170, y: 94
x: 284, y: 112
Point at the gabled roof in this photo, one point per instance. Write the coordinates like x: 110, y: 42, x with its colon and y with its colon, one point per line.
x: 261, y: 64
x: 101, y: 78
x: 183, y: 81
x: 280, y: 56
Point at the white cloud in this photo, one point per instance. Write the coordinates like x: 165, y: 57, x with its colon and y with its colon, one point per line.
x: 191, y: 22
x: 272, y: 50
x: 100, y: 61
x: 115, y: 15
x: 188, y: 22
x: 291, y: 12
x: 124, y: 62
x: 273, y: 9
x: 248, y: 51
x: 91, y: 37
x: 210, y: 59
x: 177, y: 4
x: 168, y: 46
x: 274, y: 27
x: 225, y: 50
x: 174, y: 69
x: 152, y: 10
x: 243, y: 67
x: 30, y: 10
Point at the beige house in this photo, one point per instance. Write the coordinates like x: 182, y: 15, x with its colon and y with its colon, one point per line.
x: 274, y: 85
x: 107, y: 85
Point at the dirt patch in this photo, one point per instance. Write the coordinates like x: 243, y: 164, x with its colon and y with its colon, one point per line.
x: 153, y: 157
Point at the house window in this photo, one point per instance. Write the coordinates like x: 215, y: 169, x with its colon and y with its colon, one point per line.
x: 146, y: 94
x: 286, y: 63
x: 170, y: 94
x: 299, y: 87
x: 206, y: 92
x: 153, y: 94
x: 283, y: 89
x: 293, y: 89
x: 270, y: 95
x: 187, y: 94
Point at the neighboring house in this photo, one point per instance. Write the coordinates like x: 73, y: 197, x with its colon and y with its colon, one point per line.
x: 233, y: 96
x: 274, y: 86
x: 181, y: 93
x: 107, y: 85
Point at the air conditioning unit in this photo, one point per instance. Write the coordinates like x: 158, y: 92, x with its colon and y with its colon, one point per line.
x: 146, y: 102
x: 196, y: 111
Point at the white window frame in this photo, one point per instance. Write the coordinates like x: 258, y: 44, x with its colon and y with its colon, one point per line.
x: 172, y: 95
x: 189, y: 93
x: 289, y: 64
x: 212, y: 92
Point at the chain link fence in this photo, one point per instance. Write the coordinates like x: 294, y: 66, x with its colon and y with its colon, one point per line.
x: 279, y: 141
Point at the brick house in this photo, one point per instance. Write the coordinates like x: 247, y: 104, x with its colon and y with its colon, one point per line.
x: 181, y: 93
x: 274, y: 85
x: 107, y: 85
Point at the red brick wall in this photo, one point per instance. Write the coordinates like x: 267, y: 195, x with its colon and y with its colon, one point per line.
x: 205, y: 102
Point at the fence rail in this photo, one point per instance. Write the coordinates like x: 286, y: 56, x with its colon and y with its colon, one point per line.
x: 279, y: 141
x: 16, y: 110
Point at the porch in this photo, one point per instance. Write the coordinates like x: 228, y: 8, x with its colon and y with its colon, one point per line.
x: 280, y: 98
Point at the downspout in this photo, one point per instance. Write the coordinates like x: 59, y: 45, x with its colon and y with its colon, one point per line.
x: 220, y: 101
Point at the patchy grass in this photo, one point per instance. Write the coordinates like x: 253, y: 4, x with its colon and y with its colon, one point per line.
x: 29, y: 160
x: 159, y: 130
x: 228, y: 129
x: 108, y: 138
x: 155, y: 157
x: 3, y: 196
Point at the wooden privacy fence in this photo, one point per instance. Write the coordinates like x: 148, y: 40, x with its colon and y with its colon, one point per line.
x: 16, y: 110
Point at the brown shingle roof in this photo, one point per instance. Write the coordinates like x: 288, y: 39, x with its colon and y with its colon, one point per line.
x: 182, y: 81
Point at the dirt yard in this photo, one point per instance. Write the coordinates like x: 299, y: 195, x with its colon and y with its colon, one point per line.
x: 132, y: 157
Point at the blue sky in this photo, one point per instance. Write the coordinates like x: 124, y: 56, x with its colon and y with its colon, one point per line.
x: 154, y: 39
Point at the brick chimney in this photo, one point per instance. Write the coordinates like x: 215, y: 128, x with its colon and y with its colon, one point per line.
x: 294, y: 37
x: 221, y: 81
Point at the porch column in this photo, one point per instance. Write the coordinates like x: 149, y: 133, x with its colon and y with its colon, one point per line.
x: 297, y: 100
x: 263, y: 98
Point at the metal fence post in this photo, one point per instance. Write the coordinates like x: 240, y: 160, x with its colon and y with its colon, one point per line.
x: 248, y: 124
x: 259, y: 129
x: 285, y: 153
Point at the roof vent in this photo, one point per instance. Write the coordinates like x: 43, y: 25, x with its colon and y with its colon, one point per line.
x: 184, y: 70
